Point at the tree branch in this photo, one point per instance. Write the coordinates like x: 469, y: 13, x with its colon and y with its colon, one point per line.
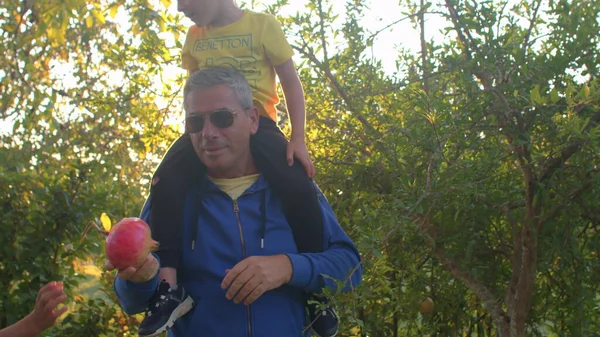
x: 554, y: 163
x: 470, y: 42
x: 483, y: 293
x: 322, y: 34
x: 338, y: 87
x: 423, y: 50
x: 531, y: 25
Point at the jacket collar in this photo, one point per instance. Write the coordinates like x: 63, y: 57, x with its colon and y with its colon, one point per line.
x: 259, y: 185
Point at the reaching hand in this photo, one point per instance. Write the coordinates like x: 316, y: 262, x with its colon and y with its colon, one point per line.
x: 255, y: 275
x: 45, y: 313
x: 297, y: 148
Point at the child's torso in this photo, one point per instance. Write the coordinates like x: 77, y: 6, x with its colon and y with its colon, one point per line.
x: 241, y: 46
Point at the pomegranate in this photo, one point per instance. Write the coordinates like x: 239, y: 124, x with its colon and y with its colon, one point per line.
x: 426, y: 306
x: 128, y: 243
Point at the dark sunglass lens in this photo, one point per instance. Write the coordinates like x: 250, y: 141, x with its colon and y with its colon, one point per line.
x: 194, y: 124
x: 222, y: 118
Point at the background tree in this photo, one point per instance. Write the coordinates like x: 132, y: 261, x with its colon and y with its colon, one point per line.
x: 486, y: 152
x: 80, y: 90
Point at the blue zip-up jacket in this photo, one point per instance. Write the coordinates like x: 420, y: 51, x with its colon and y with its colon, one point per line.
x: 228, y: 231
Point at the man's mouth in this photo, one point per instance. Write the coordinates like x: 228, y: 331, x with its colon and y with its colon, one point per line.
x: 212, y: 149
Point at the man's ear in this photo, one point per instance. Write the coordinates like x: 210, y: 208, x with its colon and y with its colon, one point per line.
x: 254, y: 119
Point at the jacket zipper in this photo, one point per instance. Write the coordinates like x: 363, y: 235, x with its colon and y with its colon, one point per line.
x: 236, y: 210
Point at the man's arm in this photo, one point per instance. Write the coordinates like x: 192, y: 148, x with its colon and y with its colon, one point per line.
x: 134, y: 287
x: 339, y: 262
x: 134, y: 295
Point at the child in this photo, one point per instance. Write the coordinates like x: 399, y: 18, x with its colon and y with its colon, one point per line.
x: 253, y: 43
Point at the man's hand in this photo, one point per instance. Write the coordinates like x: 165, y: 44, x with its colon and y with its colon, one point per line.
x: 297, y: 147
x: 45, y: 313
x: 254, y: 276
x: 145, y: 272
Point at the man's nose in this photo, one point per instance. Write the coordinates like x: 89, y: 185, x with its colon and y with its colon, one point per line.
x: 209, y: 131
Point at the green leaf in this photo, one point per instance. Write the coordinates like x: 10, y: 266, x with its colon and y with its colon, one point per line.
x: 536, y: 98
x: 554, y: 96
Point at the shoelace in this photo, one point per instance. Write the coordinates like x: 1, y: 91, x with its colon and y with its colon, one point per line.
x: 158, y: 302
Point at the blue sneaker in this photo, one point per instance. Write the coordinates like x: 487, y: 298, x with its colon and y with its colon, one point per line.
x: 165, y: 307
x: 325, y: 322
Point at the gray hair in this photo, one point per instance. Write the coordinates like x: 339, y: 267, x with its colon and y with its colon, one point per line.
x: 213, y: 76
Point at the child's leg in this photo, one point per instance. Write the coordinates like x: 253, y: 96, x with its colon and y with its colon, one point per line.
x: 168, y: 274
x: 301, y: 205
x: 179, y: 169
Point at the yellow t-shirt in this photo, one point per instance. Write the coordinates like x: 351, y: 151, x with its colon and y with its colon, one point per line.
x: 254, y: 45
x: 235, y: 186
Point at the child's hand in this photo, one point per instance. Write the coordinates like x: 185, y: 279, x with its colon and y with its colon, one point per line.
x: 46, y: 309
x: 297, y: 147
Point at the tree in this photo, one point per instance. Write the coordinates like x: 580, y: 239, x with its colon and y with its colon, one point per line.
x: 488, y: 148
x: 79, y: 90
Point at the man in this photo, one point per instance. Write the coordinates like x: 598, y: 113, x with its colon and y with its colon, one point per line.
x: 239, y: 261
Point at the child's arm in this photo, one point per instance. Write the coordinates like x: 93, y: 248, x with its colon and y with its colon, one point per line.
x: 44, y: 314
x: 294, y: 98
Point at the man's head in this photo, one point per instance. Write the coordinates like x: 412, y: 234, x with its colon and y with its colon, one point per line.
x: 206, y: 12
x: 220, y: 118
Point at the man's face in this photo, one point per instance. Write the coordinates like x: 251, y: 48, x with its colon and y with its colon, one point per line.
x: 201, y: 12
x: 224, y: 150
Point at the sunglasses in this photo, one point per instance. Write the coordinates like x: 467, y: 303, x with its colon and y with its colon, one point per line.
x: 221, y: 118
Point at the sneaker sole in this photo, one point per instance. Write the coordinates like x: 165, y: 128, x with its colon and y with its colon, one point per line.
x: 181, y: 310
x: 316, y: 334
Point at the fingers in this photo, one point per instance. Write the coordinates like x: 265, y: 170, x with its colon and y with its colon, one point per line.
x: 148, y: 269
x: 59, y: 312
x: 248, y: 288
x: 54, y: 302
x: 49, y: 293
x: 245, y: 287
x: 143, y: 273
x: 108, y: 265
x: 313, y: 170
x: 255, y: 294
x: 50, y: 307
x: 127, y: 274
x: 238, y: 285
x: 252, y: 277
x: 308, y: 166
x: 233, y: 274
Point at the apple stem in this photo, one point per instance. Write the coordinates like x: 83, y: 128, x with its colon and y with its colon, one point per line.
x: 89, y: 226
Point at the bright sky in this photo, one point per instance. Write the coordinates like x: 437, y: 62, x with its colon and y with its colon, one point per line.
x: 381, y: 13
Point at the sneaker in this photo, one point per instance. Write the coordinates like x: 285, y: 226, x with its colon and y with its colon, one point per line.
x: 165, y: 307
x: 325, y: 322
